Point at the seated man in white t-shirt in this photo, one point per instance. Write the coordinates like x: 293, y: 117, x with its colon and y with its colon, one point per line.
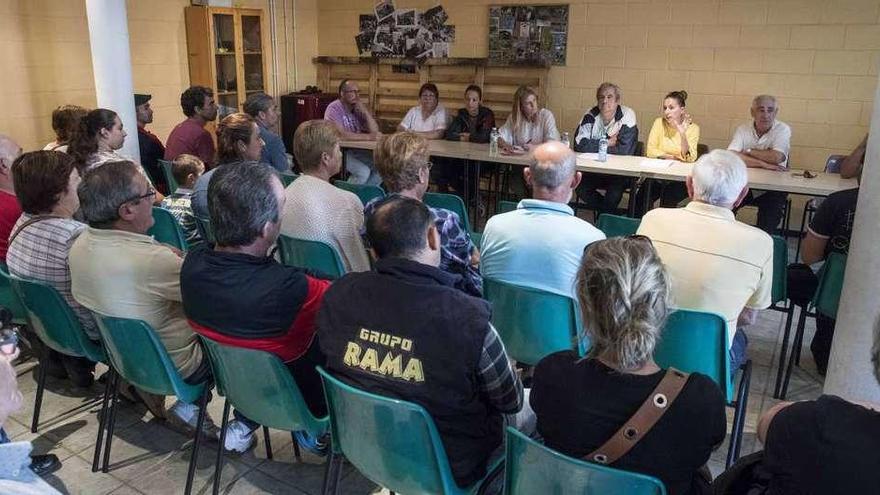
x: 764, y: 143
x: 428, y: 119
x: 715, y: 263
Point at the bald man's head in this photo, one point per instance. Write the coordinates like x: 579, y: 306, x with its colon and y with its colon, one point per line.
x: 553, y: 165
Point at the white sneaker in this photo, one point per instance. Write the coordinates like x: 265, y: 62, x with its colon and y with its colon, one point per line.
x: 185, y: 416
x: 239, y: 438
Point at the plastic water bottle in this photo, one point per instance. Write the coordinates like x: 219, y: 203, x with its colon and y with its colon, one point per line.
x: 603, y: 149
x: 566, y: 140
x: 493, y: 142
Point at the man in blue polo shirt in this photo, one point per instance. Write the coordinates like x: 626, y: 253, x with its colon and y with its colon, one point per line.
x: 540, y: 244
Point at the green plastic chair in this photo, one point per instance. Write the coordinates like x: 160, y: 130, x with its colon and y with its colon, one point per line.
x: 392, y: 442
x: 205, y: 231
x: 533, y: 323
x: 449, y: 202
x: 287, y: 178
x: 826, y: 301
x: 778, y: 298
x: 617, y: 226
x: 506, y: 206
x: 137, y: 355
x: 55, y: 323
x: 696, y: 341
x: 276, y: 403
x: 311, y: 255
x: 169, y: 176
x: 9, y: 299
x: 166, y: 229
x: 532, y: 468
x: 365, y: 192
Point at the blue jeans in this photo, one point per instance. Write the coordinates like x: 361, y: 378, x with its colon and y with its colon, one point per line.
x: 359, y: 164
x: 738, y: 354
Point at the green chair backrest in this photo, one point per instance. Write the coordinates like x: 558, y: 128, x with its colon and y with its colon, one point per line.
x: 617, y: 226
x: 365, y: 192
x: 205, y: 230
x: 166, y: 229
x: 696, y: 341
x: 52, y: 319
x: 827, y: 297
x: 392, y: 442
x: 779, y: 291
x: 533, y: 323
x: 9, y: 299
x: 287, y: 178
x: 505, y: 206
x: 534, y: 468
x: 449, y: 202
x: 140, y: 358
x: 312, y: 255
x: 274, y: 401
x: 169, y: 176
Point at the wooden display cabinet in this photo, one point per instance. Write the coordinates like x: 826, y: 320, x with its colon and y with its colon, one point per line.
x: 227, y: 53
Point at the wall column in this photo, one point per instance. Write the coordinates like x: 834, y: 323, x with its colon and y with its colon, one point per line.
x: 111, y: 64
x: 850, y: 372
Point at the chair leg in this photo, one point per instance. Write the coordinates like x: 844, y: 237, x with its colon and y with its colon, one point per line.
x: 783, y: 351
x: 111, y: 421
x: 218, y: 466
x: 194, y: 457
x: 41, y: 385
x: 102, y: 420
x: 797, y: 251
x: 296, y: 452
x: 268, y: 443
x: 332, y: 471
x: 798, y: 340
x: 739, y: 416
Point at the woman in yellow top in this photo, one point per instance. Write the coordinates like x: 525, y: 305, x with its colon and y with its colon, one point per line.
x: 674, y: 136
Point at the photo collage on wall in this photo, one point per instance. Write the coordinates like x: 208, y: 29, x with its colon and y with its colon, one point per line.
x: 390, y: 32
x: 528, y: 34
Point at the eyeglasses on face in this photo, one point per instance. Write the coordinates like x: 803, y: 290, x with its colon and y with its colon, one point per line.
x: 149, y: 194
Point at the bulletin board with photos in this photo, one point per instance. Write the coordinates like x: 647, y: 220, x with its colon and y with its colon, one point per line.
x: 528, y: 34
x: 389, y: 32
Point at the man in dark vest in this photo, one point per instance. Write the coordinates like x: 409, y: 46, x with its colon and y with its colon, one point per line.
x: 405, y: 331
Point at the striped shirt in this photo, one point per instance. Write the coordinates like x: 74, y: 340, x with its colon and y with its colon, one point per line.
x: 497, y: 378
x: 40, y: 252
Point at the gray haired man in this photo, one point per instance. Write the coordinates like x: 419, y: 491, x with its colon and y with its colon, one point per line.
x: 540, y: 244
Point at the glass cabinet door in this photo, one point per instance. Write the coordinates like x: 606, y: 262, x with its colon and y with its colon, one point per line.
x: 224, y: 64
x: 252, y: 47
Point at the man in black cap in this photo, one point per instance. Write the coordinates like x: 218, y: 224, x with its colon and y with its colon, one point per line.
x: 151, y: 147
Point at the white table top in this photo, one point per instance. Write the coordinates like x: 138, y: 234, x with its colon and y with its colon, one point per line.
x: 638, y: 166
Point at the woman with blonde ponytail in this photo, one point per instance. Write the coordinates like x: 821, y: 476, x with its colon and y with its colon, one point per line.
x: 622, y: 289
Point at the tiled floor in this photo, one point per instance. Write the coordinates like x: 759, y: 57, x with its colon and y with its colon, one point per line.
x: 148, y: 457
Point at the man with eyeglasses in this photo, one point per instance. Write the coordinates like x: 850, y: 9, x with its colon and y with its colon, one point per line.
x: 116, y: 269
x: 355, y: 123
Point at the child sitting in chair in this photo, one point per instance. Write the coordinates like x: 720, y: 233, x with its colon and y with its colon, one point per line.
x: 186, y: 170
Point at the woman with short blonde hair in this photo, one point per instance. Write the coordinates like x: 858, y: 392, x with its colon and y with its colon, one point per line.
x: 580, y: 403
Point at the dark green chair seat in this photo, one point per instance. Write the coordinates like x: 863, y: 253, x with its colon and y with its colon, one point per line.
x: 276, y: 403
x: 696, y: 341
x: 166, y: 229
x: 533, y: 323
x: 532, y: 468
x: 392, y: 442
x: 617, y: 226
x: 311, y: 255
x: 139, y: 357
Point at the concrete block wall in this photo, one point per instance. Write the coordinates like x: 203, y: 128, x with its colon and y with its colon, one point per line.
x: 819, y: 57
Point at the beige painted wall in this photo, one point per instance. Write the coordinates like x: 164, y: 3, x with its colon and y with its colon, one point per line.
x: 44, y: 49
x: 820, y: 57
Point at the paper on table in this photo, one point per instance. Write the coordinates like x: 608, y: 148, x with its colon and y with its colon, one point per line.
x: 655, y: 163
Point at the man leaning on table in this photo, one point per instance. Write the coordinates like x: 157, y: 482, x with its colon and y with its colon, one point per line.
x: 764, y: 143
x: 355, y: 123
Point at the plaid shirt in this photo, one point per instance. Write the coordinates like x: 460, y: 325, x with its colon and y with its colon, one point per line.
x: 180, y: 205
x: 497, y: 378
x: 455, y: 248
x: 40, y: 252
